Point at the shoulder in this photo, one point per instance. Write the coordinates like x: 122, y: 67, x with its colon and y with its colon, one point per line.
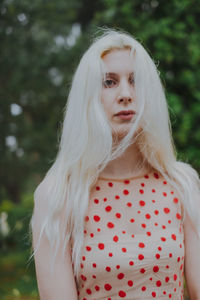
x: 41, y: 199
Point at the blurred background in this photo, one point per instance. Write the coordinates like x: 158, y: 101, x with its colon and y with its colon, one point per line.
x: 41, y: 43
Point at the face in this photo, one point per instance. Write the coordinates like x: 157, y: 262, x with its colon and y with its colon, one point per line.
x: 118, y: 91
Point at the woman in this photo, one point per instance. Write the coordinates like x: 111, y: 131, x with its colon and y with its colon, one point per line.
x: 116, y: 216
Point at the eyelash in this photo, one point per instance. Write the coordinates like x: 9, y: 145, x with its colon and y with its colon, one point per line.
x: 107, y: 85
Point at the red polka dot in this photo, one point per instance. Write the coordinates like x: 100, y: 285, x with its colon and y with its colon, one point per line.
x: 153, y: 190
x: 97, y: 288
x: 148, y: 216
x: 110, y: 184
x: 146, y: 176
x: 163, y: 239
x: 143, y: 288
x: 122, y: 294
x: 166, y: 210
x: 107, y: 287
x: 178, y: 216
x: 115, y: 238
x: 117, y: 197
x: 130, y: 283
x: 155, y: 269
x: 132, y: 220
x: 131, y: 263
x: 89, y: 292
x: 117, y: 266
x: 156, y: 175
x: 88, y: 248
x: 158, y: 283
x: 127, y: 181
x: 141, y: 256
x: 96, y: 218
x: 175, y: 200
x: 166, y: 279
x: 108, y: 269
x: 164, y: 194
x: 86, y: 218
x: 148, y: 233
x: 123, y: 249
x: 83, y: 277
x: 175, y: 277
x: 142, y: 203
x: 101, y: 246
x: 164, y: 182
x: 118, y: 215
x: 97, y: 188
x: 157, y: 255
x: 120, y: 276
x: 96, y: 201
x: 110, y: 225
x: 143, y: 225
x: 153, y: 294
x: 126, y: 192
x: 142, y: 270
x: 141, y: 191
x: 159, y: 248
x: 108, y: 208
x: 173, y: 237
x: 141, y: 245
x: 94, y: 265
x: 129, y: 204
x: 163, y: 226
x: 110, y: 254
x: 167, y: 267
x: 142, y: 184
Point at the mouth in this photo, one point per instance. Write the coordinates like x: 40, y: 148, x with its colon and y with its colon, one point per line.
x: 125, y: 114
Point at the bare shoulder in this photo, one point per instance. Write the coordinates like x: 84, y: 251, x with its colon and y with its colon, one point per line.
x: 41, y: 201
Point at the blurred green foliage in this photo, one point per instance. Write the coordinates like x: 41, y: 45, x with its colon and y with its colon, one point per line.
x: 41, y: 44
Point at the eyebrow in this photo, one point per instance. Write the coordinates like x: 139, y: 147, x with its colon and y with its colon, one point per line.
x: 114, y: 74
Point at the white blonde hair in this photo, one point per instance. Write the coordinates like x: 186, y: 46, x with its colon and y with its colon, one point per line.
x: 86, y: 144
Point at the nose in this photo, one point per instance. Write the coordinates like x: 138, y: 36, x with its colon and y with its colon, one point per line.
x: 125, y: 93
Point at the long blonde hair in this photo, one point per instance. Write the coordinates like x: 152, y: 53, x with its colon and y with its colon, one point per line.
x: 86, y: 144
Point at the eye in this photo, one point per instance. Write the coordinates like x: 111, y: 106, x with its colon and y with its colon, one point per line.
x: 109, y: 83
x: 132, y: 81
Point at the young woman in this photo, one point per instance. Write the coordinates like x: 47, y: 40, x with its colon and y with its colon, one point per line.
x: 117, y: 216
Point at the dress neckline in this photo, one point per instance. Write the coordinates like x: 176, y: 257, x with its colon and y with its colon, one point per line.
x: 127, y: 178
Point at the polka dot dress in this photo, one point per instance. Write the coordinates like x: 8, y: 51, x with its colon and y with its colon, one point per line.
x: 133, y: 241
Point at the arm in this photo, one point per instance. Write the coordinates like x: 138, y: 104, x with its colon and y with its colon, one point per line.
x: 192, y: 259
x: 61, y: 284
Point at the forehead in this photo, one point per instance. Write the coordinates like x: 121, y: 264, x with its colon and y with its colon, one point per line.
x: 118, y: 61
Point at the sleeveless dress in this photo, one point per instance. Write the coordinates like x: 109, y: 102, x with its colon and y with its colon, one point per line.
x: 133, y: 241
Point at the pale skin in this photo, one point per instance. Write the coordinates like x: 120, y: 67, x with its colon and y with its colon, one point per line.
x: 118, y: 94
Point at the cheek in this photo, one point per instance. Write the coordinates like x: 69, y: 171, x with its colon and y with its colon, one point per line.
x: 106, y: 102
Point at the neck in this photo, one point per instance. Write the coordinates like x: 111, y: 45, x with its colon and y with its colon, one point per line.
x: 129, y: 164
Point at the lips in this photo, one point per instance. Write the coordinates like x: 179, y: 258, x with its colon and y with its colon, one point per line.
x: 125, y: 113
